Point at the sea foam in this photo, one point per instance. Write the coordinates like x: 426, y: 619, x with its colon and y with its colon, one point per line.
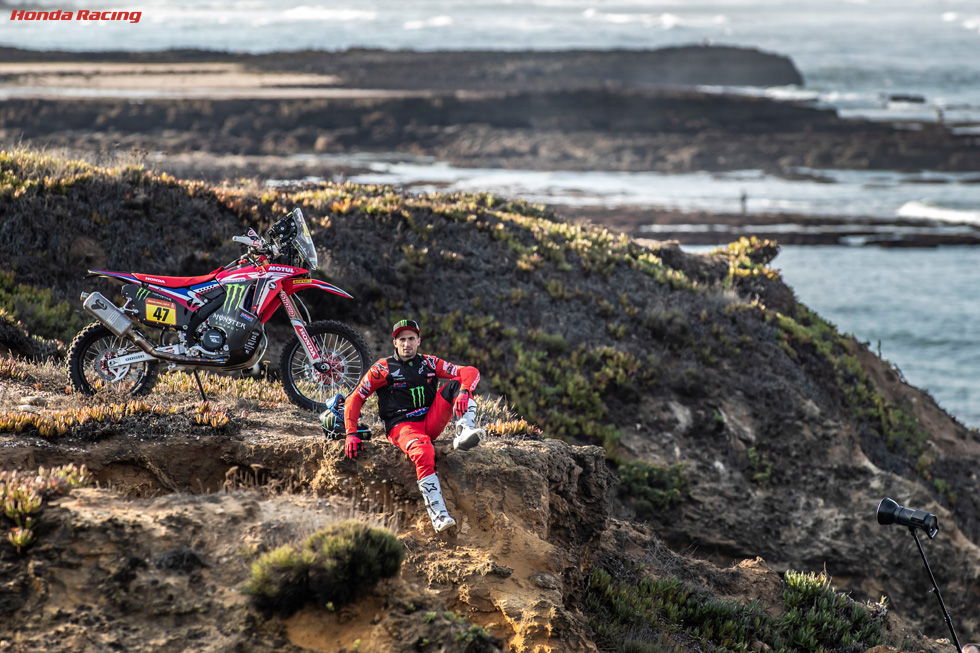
x: 930, y: 211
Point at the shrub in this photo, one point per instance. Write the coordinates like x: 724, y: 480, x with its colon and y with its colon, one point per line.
x: 334, y: 565
x: 759, y: 466
x: 23, y: 494
x: 11, y: 369
x: 628, y: 613
x: 500, y: 421
x: 651, y: 489
x: 38, y: 309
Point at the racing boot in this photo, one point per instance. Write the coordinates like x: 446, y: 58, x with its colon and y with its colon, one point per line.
x: 468, y: 434
x: 434, y: 503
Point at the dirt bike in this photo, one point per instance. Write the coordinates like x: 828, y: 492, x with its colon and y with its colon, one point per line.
x: 217, y: 321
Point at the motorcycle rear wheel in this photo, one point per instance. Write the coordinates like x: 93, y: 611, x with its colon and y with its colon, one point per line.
x: 89, y: 374
x: 341, y: 347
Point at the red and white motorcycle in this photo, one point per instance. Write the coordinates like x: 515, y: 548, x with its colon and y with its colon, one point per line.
x: 217, y: 321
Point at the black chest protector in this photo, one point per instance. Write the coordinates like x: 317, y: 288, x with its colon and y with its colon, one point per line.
x: 409, y: 392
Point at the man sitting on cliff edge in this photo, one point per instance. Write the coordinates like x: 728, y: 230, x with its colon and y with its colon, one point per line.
x: 415, y: 411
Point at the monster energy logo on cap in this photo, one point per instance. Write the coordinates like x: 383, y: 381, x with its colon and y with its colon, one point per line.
x: 411, y: 325
x: 418, y: 397
x: 234, y: 294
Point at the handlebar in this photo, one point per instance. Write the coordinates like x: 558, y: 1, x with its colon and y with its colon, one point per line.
x: 253, y: 241
x: 283, y: 230
x: 250, y: 242
x: 256, y: 246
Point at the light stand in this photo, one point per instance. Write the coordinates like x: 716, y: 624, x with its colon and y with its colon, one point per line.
x: 935, y: 588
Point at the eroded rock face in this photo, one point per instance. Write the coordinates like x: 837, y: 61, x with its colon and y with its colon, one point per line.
x: 810, y: 503
x: 92, y: 582
x: 530, y: 516
x: 165, y: 573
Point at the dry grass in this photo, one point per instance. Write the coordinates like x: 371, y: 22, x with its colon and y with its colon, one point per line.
x: 35, y: 400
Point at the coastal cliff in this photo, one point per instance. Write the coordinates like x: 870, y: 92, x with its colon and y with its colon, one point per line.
x: 690, y: 417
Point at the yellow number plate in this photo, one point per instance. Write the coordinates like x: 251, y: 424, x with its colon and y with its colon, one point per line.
x: 161, y: 312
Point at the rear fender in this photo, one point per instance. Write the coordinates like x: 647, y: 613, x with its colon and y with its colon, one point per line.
x: 124, y: 277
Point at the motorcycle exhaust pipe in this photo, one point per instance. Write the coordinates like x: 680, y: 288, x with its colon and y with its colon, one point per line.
x: 115, y: 320
x: 107, y: 313
x: 119, y: 323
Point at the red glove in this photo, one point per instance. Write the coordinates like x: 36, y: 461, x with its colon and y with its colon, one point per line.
x: 462, y: 403
x: 352, y: 445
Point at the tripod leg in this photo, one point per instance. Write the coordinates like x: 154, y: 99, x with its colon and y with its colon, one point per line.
x: 200, y: 387
x: 935, y: 588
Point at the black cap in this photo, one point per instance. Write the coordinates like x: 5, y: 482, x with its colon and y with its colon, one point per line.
x: 405, y: 324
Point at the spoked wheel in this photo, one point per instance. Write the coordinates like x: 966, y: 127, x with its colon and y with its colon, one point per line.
x: 89, y: 369
x: 345, y: 354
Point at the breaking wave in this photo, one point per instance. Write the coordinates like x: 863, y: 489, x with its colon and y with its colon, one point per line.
x: 931, y: 211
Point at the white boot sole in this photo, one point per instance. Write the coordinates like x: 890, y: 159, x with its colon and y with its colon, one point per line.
x: 449, y: 523
x: 470, y: 440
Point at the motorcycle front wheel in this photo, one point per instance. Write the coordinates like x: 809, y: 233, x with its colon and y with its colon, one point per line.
x: 88, y: 365
x: 346, y: 355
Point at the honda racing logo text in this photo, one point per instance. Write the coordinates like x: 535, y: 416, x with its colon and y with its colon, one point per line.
x: 81, y: 14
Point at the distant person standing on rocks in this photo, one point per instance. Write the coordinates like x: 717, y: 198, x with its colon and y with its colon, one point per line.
x: 744, y: 199
x: 415, y: 411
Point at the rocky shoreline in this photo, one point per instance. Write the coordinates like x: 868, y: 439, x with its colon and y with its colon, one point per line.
x: 704, y: 228
x: 625, y: 111
x: 475, y: 70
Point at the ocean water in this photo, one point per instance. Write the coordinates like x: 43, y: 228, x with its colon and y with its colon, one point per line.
x: 884, y: 59
x: 945, y: 198
x: 918, y: 306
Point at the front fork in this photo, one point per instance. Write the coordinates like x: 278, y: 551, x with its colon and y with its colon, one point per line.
x: 299, y: 326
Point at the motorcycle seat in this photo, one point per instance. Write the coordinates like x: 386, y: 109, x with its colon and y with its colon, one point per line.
x: 176, y: 282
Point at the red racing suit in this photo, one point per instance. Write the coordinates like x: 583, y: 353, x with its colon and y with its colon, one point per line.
x: 412, y: 408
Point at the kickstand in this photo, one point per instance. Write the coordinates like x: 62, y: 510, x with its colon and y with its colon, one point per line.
x: 200, y: 387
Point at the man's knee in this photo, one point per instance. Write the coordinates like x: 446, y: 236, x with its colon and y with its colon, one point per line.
x: 421, y: 453
x: 450, y: 390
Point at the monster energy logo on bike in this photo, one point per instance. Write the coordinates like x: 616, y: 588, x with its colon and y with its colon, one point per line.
x: 234, y: 294
x: 418, y: 397
x: 142, y: 294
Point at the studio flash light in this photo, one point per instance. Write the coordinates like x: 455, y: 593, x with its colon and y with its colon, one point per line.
x: 890, y: 512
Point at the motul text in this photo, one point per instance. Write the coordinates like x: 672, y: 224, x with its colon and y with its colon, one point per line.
x: 81, y: 14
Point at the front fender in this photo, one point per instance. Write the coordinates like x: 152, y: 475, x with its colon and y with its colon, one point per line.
x: 293, y: 286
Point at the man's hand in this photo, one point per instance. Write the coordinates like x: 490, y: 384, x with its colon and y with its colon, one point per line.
x: 352, y: 445
x: 462, y: 403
